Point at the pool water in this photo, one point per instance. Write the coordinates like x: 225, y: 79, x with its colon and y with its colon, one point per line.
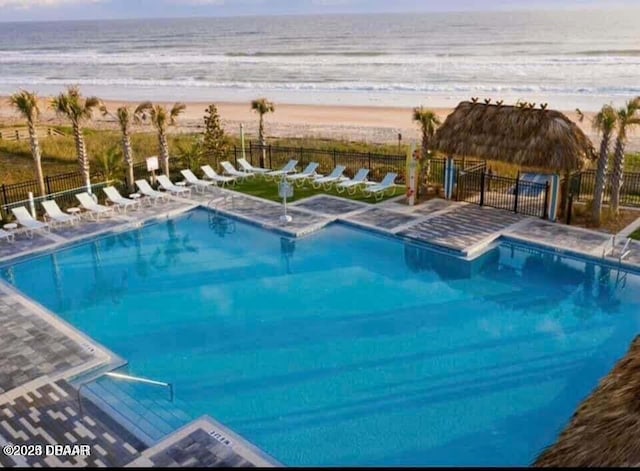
x: 346, y: 347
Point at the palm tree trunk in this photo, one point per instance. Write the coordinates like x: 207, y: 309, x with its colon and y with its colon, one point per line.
x: 164, y: 152
x: 37, y: 157
x: 263, y: 147
x: 128, y: 158
x: 601, y: 175
x: 81, y: 151
x: 617, y: 175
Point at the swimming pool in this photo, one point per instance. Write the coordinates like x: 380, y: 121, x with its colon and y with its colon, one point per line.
x: 346, y: 347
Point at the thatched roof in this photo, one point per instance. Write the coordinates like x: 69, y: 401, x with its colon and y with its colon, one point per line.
x: 525, y: 136
x: 605, y: 430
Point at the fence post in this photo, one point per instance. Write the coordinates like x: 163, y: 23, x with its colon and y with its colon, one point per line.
x: 515, y: 202
x: 369, y: 167
x: 47, y: 181
x: 17, y: 135
x: 545, y: 211
x: 482, y: 188
x: 270, y: 163
x: 569, y: 208
x: 4, y: 198
x: 334, y: 158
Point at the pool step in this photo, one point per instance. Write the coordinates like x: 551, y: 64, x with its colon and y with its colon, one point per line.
x: 145, y: 411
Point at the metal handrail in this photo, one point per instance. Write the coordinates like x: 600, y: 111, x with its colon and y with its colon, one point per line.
x: 139, y: 379
x: 625, y: 250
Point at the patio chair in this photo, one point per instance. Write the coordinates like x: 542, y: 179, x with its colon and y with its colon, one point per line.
x: 307, y: 174
x: 333, y: 177
x: 54, y: 215
x: 351, y: 186
x: 192, y: 180
x: 175, y: 190
x: 29, y: 224
x: 231, y: 171
x: 119, y: 201
x: 93, y: 208
x: 152, y: 195
x: 247, y: 167
x: 212, y: 175
x: 9, y: 236
x: 287, y: 169
x: 377, y: 189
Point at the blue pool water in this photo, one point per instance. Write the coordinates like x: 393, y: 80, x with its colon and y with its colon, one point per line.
x: 345, y: 347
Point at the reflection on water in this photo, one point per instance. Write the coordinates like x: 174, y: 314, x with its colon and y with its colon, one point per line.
x: 169, y: 254
x: 221, y: 225
x: 287, y: 248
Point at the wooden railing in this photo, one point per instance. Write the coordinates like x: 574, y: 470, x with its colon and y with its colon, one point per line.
x: 21, y: 134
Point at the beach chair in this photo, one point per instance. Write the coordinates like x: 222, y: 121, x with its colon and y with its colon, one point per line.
x: 192, y: 180
x: 333, y: 177
x: 307, y: 174
x: 232, y: 172
x: 247, y: 167
x: 29, y: 224
x: 212, y: 175
x: 377, y: 189
x: 287, y: 169
x: 152, y: 195
x: 175, y: 190
x: 91, y: 207
x: 54, y: 215
x: 7, y: 235
x: 351, y: 186
x: 119, y: 201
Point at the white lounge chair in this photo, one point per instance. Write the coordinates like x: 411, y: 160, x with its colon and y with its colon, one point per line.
x: 93, y: 208
x: 231, y: 171
x: 119, y: 201
x: 194, y: 181
x: 54, y: 215
x: 29, y: 224
x: 351, y: 186
x: 152, y: 195
x: 212, y: 175
x: 176, y: 190
x: 307, y: 174
x: 7, y: 235
x: 287, y: 169
x: 247, y: 167
x: 378, y: 189
x: 333, y: 177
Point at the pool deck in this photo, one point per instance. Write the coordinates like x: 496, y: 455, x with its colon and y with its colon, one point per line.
x: 40, y: 354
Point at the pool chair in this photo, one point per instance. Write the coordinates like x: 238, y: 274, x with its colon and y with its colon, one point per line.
x: 54, y: 215
x: 333, y: 177
x: 192, y: 180
x: 152, y: 195
x: 377, y: 189
x: 6, y: 235
x: 212, y: 175
x: 91, y: 207
x: 351, y: 186
x: 286, y: 170
x: 232, y: 172
x: 119, y: 202
x: 307, y: 174
x: 29, y: 224
x: 175, y: 190
x: 247, y: 167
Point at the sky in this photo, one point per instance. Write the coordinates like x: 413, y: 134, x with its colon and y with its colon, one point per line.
x: 42, y: 10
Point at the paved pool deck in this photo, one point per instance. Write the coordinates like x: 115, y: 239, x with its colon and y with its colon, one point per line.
x: 40, y: 355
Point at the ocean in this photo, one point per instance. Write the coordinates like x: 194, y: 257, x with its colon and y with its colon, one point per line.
x: 568, y: 59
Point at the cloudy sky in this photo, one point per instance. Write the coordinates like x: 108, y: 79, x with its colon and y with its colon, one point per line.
x: 20, y: 10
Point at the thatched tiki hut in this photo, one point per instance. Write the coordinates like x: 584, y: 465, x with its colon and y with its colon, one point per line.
x: 605, y: 430
x: 522, y: 135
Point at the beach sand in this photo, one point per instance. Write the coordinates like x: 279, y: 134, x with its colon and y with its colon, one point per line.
x: 352, y: 123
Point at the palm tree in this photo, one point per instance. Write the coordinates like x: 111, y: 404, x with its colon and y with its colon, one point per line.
x: 604, y: 122
x: 627, y: 117
x: 429, y: 122
x: 161, y: 118
x: 26, y: 103
x: 77, y: 109
x: 125, y: 119
x: 110, y: 163
x: 262, y: 106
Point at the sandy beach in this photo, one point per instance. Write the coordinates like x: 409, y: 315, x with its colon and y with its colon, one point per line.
x: 372, y: 124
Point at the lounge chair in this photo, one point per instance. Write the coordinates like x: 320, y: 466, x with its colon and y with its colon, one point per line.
x: 151, y: 194
x: 29, y: 224
x: 93, y: 208
x: 176, y: 190
x: 54, y: 215
x: 212, y: 175
x: 307, y: 174
x: 351, y: 186
x: 7, y: 235
x: 247, y: 167
x: 231, y: 171
x: 286, y: 170
x: 194, y: 181
x: 377, y: 189
x: 119, y: 201
x: 333, y: 177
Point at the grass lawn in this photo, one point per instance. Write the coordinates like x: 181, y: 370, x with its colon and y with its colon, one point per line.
x: 269, y: 190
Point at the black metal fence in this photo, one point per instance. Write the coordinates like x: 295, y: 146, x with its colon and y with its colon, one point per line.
x: 583, y: 184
